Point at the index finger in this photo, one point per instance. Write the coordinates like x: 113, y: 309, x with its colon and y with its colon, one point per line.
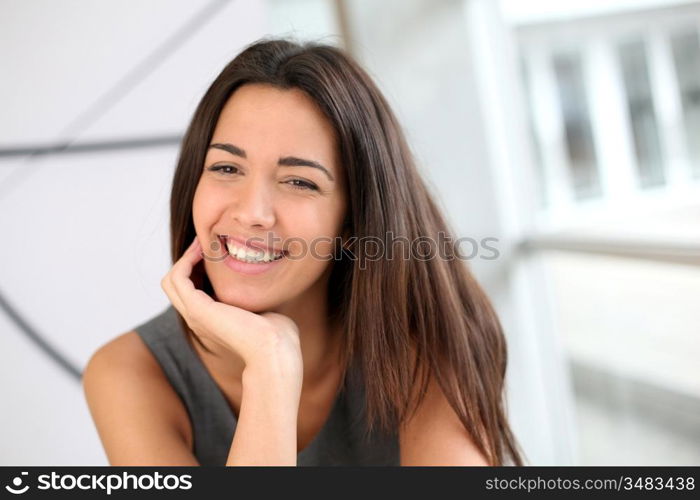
x: 181, y: 272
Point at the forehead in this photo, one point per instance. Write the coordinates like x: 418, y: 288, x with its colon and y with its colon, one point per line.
x: 262, y: 118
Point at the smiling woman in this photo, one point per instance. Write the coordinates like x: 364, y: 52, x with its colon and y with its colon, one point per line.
x: 289, y: 342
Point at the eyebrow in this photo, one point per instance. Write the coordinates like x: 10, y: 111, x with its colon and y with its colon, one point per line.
x: 285, y: 161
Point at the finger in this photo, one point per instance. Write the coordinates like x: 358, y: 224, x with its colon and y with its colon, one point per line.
x: 235, y: 328
x: 167, y: 286
x: 168, y: 282
x: 222, y: 323
x: 181, y: 282
x: 193, y: 254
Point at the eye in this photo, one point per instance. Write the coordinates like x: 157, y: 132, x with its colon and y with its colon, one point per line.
x: 304, y: 185
x: 224, y: 169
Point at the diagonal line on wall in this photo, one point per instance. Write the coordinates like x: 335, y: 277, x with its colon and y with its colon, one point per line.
x: 37, y: 339
x: 118, y: 91
x: 92, y: 146
x: 93, y: 113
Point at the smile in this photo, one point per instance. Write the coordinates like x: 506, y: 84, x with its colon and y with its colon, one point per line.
x: 245, y: 254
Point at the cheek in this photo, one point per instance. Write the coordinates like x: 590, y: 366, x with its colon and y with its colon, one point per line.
x: 314, y: 250
x: 320, y: 250
x: 204, y: 209
x: 197, y: 203
x: 309, y: 229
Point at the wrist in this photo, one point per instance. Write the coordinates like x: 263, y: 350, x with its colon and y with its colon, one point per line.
x: 274, y: 370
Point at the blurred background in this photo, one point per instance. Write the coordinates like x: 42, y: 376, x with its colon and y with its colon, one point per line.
x: 568, y: 130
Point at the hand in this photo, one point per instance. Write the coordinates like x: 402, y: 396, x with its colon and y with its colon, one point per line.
x: 258, y: 339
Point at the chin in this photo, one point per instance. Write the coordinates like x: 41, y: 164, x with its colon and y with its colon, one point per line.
x: 248, y: 302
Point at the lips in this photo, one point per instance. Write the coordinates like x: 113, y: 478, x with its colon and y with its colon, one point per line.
x: 250, y: 251
x: 252, y: 243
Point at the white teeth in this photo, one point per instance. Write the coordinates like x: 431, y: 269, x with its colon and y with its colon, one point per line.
x: 249, y: 255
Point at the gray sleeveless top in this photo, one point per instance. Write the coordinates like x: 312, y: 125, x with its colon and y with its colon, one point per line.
x: 341, y: 441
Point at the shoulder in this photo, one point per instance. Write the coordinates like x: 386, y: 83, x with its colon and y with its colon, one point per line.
x: 124, y: 356
x: 435, y: 435
x: 131, y: 400
x: 127, y: 346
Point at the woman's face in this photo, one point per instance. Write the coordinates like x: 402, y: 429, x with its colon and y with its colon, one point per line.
x: 272, y: 179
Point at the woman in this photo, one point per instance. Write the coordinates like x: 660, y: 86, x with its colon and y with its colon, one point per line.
x: 307, y: 327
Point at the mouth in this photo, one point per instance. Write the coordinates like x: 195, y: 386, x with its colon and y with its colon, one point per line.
x: 250, y: 255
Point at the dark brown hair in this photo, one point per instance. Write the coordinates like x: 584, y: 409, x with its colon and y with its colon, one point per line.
x: 404, y: 320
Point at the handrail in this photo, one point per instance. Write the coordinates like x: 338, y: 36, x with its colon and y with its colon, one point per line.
x: 677, y: 252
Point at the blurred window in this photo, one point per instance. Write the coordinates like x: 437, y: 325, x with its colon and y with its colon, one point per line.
x: 630, y: 331
x: 640, y: 105
x: 577, y: 125
x: 538, y: 160
x: 686, y: 56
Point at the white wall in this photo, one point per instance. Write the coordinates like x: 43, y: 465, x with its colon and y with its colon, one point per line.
x: 85, y: 237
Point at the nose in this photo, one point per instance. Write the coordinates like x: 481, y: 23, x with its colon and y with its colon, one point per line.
x: 253, y: 206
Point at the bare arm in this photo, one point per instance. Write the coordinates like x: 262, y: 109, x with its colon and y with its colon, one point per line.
x: 269, y: 345
x: 139, y: 418
x: 267, y: 424
x: 142, y: 421
x: 435, y: 436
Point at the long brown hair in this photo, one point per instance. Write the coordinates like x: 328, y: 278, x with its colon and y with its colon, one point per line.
x: 404, y: 320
